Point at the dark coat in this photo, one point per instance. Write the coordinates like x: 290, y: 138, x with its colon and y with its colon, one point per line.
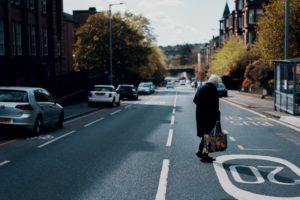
x: 207, y: 108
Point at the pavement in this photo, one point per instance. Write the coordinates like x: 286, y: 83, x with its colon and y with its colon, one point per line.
x: 248, y: 100
x: 77, y: 110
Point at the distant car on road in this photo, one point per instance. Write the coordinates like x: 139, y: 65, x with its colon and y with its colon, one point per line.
x: 104, y: 94
x: 170, y: 85
x: 182, y: 82
x: 222, y: 91
x: 30, y: 108
x: 127, y: 92
x: 146, y: 88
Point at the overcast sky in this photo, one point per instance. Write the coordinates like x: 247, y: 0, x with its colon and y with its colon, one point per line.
x: 173, y: 21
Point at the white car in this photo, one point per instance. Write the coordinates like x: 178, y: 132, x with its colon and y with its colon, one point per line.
x: 146, y: 88
x: 105, y: 94
x: 30, y: 108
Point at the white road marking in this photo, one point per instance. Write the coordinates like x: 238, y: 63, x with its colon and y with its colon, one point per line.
x: 232, y: 139
x: 172, y: 120
x: 4, y: 163
x: 117, y: 111
x: 127, y: 106
x: 58, y: 138
x: 252, y: 149
x: 163, y: 181
x: 170, y: 137
x: 241, y: 147
x: 256, y: 113
x: 239, y: 193
x: 174, y: 110
x: 94, y: 122
x: 284, y: 124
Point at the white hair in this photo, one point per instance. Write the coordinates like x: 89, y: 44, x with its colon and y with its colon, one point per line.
x: 215, y: 79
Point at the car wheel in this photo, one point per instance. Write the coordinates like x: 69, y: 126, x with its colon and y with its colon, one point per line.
x: 38, y: 126
x: 60, y: 122
x: 119, y: 103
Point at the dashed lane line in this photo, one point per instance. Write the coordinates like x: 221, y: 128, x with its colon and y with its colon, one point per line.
x: 232, y: 139
x: 172, y: 120
x: 170, y: 137
x: 117, y: 111
x: 89, y: 124
x: 174, y: 111
x: 163, y: 181
x: 58, y: 138
x: 127, y: 106
x: 4, y: 163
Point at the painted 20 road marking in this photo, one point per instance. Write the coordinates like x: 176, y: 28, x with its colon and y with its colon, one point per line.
x: 242, y: 194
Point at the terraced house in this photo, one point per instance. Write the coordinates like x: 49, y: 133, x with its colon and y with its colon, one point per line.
x: 242, y: 21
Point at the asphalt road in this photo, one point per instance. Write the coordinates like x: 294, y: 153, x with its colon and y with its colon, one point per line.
x: 145, y: 150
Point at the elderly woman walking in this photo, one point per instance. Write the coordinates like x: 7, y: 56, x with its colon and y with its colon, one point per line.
x: 207, y: 112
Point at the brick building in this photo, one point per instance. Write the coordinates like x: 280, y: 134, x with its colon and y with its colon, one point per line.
x: 242, y: 21
x: 30, y: 41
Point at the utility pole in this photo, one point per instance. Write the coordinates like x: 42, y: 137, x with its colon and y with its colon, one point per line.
x: 110, y: 42
x: 286, y: 30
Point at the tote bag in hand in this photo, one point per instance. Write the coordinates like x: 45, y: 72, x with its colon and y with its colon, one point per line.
x: 216, y: 140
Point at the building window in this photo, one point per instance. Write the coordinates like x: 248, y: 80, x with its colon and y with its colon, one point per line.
x: 240, y: 22
x: 30, y: 4
x: 44, y: 6
x: 240, y: 5
x: 2, y: 47
x: 17, y: 39
x: 227, y: 23
x: 45, y: 41
x: 32, y: 40
x: 251, y: 16
x: 18, y: 2
x: 251, y: 37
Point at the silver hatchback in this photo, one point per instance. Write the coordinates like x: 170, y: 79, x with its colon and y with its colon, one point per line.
x: 31, y: 108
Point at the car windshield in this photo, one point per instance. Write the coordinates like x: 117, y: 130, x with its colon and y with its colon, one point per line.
x: 103, y: 89
x: 145, y: 84
x: 221, y: 86
x: 13, y: 96
x: 126, y: 88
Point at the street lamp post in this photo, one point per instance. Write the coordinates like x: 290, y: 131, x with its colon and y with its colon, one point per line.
x: 110, y: 41
x: 286, y: 30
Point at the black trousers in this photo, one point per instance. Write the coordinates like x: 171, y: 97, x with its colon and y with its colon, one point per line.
x: 201, y: 146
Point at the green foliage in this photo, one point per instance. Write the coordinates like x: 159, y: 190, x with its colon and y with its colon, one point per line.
x: 271, y: 30
x: 231, y: 59
x: 259, y: 73
x: 134, y: 55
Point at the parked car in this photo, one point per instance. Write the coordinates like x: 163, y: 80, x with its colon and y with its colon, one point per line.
x: 30, y: 108
x: 127, y: 92
x: 170, y: 85
x: 104, y: 94
x: 146, y: 88
x: 222, y: 91
x: 182, y: 82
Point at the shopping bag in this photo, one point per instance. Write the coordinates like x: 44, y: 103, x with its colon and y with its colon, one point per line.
x: 216, y: 140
